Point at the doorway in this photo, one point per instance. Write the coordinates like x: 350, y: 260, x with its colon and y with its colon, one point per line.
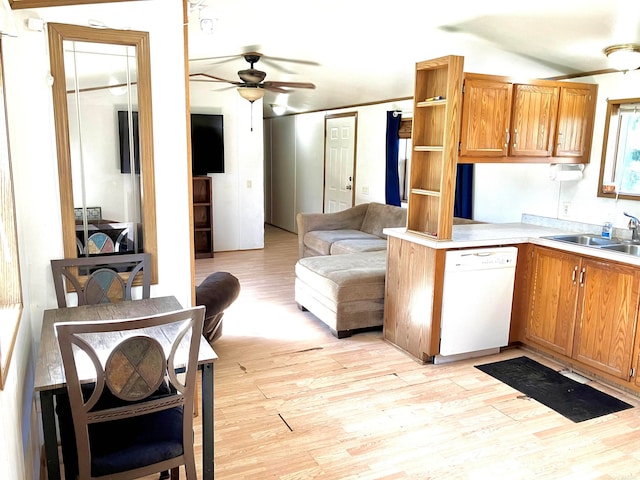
x: 339, y: 161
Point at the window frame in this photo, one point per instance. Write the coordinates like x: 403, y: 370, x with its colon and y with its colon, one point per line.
x: 612, y: 122
x: 11, y: 300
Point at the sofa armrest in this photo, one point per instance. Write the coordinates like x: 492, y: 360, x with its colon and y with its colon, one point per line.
x: 349, y: 219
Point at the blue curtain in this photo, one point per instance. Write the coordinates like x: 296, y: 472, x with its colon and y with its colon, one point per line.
x: 463, y: 206
x: 392, y: 180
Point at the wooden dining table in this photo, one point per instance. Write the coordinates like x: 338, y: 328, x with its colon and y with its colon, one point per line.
x: 50, y: 379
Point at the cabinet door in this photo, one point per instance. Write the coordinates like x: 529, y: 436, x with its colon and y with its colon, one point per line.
x: 575, y: 122
x: 608, y: 306
x: 534, y: 120
x: 486, y: 111
x: 552, y: 301
x: 413, y: 297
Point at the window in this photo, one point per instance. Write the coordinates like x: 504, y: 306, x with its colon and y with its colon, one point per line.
x: 404, y: 161
x: 404, y: 157
x: 620, y: 165
x: 11, y: 291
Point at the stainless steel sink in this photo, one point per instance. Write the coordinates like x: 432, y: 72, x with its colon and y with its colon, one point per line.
x: 630, y: 248
x: 585, y: 239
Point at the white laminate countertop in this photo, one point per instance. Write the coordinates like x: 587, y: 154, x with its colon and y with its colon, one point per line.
x: 497, y: 234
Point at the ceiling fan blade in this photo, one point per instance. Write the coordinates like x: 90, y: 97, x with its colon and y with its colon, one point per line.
x: 222, y: 89
x: 222, y: 59
x: 214, y: 78
x: 271, y: 88
x: 290, y: 60
x: 290, y: 84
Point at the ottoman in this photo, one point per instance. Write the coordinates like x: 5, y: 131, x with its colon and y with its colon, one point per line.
x: 344, y: 291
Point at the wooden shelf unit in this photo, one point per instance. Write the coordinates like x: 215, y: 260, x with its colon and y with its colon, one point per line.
x: 203, y: 217
x: 435, y: 136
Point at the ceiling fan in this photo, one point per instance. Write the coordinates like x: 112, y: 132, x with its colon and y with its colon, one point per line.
x: 252, y: 85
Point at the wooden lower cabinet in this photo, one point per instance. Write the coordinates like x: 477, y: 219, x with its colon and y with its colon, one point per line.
x: 608, y: 307
x: 413, y: 297
x: 584, y: 309
x: 553, y: 301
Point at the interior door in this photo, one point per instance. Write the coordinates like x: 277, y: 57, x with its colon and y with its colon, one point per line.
x: 339, y: 161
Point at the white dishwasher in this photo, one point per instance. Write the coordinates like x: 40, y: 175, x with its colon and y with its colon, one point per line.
x: 476, y: 302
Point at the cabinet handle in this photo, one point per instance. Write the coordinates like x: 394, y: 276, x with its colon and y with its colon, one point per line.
x: 582, y: 272
x: 574, y: 274
x: 515, y: 144
x: 506, y: 142
x: 560, y: 138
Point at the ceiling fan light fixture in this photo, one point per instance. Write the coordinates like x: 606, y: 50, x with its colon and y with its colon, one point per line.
x: 251, y: 93
x: 278, y: 109
x: 624, y: 56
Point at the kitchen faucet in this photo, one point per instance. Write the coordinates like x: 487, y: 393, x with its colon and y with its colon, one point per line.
x: 634, y: 223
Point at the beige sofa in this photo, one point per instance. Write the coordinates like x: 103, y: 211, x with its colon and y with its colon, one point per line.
x: 354, y: 230
x: 341, y: 271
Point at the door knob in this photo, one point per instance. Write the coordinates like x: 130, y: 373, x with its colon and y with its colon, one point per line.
x: 348, y: 187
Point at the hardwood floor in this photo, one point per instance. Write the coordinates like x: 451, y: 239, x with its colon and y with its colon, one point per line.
x: 294, y: 402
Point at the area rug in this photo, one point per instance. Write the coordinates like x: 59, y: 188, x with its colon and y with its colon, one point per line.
x: 574, y: 400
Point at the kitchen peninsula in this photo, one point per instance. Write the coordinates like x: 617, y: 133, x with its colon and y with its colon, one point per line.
x: 576, y: 303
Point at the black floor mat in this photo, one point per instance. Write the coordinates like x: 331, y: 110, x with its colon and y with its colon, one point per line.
x: 574, y: 400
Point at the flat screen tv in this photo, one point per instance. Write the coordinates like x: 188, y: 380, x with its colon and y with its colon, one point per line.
x: 123, y: 131
x: 207, y: 143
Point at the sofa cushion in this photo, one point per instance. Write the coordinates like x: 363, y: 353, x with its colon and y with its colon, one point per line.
x: 321, y: 240
x: 355, y: 245
x: 345, y: 278
x: 380, y: 216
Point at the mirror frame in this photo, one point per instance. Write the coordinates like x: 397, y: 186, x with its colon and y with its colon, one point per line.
x: 58, y: 33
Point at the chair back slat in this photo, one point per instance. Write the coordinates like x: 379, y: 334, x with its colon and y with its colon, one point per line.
x: 99, y: 279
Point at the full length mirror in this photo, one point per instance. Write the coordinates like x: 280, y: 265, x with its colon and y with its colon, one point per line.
x: 102, y: 105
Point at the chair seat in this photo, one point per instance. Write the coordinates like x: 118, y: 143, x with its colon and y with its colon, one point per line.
x: 105, y: 438
x: 123, y: 445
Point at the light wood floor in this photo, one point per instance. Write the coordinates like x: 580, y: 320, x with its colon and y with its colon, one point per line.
x: 294, y: 402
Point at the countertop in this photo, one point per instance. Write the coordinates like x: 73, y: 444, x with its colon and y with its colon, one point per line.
x: 497, y: 234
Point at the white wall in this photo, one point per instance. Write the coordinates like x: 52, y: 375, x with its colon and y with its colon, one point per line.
x: 31, y: 131
x: 503, y: 192
x: 283, y: 172
x: 238, y: 194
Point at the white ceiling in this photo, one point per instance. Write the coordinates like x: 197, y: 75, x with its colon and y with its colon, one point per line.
x: 359, y: 51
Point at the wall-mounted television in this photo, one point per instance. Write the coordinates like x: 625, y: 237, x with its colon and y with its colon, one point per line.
x: 207, y: 143
x: 123, y: 132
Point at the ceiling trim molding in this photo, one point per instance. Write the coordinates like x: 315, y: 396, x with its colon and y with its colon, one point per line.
x: 570, y: 76
x: 21, y: 4
x: 355, y: 105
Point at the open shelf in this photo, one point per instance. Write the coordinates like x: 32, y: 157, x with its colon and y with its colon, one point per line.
x: 435, y: 136
x: 203, y: 217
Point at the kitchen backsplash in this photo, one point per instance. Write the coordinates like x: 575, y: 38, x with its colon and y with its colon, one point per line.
x: 569, y: 225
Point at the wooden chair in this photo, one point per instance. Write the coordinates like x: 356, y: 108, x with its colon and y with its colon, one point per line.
x: 97, y: 279
x: 132, y: 414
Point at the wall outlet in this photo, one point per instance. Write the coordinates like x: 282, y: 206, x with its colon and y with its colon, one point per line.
x: 566, y: 209
x: 365, y: 190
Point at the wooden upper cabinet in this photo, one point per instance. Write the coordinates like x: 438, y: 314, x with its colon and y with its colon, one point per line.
x: 534, y: 120
x: 537, y: 121
x: 485, y: 120
x: 575, y: 121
